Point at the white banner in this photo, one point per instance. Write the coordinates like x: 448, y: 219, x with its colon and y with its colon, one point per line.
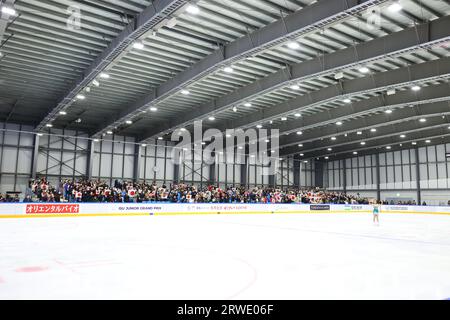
x: 98, y: 209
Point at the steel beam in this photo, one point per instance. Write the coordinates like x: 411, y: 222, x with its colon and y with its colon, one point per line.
x: 5, y: 18
x: 424, y: 35
x: 309, y: 19
x: 143, y: 23
x: 437, y: 103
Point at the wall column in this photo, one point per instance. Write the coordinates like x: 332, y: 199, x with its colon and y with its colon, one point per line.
x: 35, y: 156
x: 377, y: 163
x: 319, y: 173
x: 419, y: 193
x: 137, y: 162
x: 344, y: 175
x: 90, y: 159
x: 297, y: 164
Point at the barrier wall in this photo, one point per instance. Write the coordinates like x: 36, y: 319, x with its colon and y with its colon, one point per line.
x: 29, y: 210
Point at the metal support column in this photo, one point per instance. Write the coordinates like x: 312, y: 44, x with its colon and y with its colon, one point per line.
x: 90, y: 159
x: 35, y: 156
x: 318, y: 173
x: 297, y: 163
x: 377, y: 163
x: 344, y: 174
x: 137, y: 162
x: 419, y: 193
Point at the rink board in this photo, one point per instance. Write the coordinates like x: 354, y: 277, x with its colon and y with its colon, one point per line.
x: 23, y: 210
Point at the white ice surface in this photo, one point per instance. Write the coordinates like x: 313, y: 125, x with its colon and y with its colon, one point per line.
x: 306, y: 256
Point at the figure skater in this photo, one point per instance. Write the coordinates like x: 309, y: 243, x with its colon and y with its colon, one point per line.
x: 376, y: 212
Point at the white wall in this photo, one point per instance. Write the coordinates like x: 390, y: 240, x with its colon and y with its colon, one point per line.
x: 398, y: 174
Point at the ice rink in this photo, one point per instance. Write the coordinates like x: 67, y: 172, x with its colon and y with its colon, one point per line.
x: 304, y: 256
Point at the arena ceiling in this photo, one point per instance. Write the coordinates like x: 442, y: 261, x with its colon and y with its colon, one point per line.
x: 335, y: 76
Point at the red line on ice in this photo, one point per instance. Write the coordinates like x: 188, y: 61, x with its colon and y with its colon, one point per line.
x: 31, y: 269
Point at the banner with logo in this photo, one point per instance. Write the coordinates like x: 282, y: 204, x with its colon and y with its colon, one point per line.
x: 98, y: 209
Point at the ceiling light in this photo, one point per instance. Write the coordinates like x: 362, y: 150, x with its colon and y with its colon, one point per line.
x: 192, y: 9
x: 185, y: 92
x: 354, y: 152
x: 333, y: 138
x: 240, y: 147
x: 203, y: 143
x: 298, y: 115
x: 153, y: 109
x: 299, y: 132
x: 359, y: 133
x: 228, y: 69
x: 413, y: 143
x: 339, y: 75
x: 326, y: 158
x: 182, y: 129
x: 306, y: 161
x: 329, y: 149
x: 364, y: 70
x: 234, y: 109
x: 294, y: 45
x: 271, y: 121
x: 160, y: 138
x: 129, y: 122
x: 104, y: 75
x: 373, y: 130
x: 283, y: 118
x: 347, y: 100
x: 81, y: 97
x: 390, y: 92
x: 295, y: 87
x: 9, y: 11
x: 138, y: 45
x: 415, y: 88
x: 395, y: 7
x: 389, y: 111
x: 428, y: 141
x: 267, y: 140
x: 247, y: 104
x: 109, y: 132
x: 363, y: 143
x: 302, y: 154
x: 339, y: 123
x: 63, y: 113
x: 388, y: 147
x: 96, y: 140
x: 259, y: 126
x: 402, y: 136
x: 300, y: 145
x: 96, y: 83
x: 40, y: 134
x: 144, y: 145
x: 211, y: 118
x: 423, y: 120
x: 49, y: 125
x: 228, y: 135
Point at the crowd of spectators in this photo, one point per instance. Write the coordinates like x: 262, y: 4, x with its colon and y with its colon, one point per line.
x: 98, y: 191
x: 9, y: 197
